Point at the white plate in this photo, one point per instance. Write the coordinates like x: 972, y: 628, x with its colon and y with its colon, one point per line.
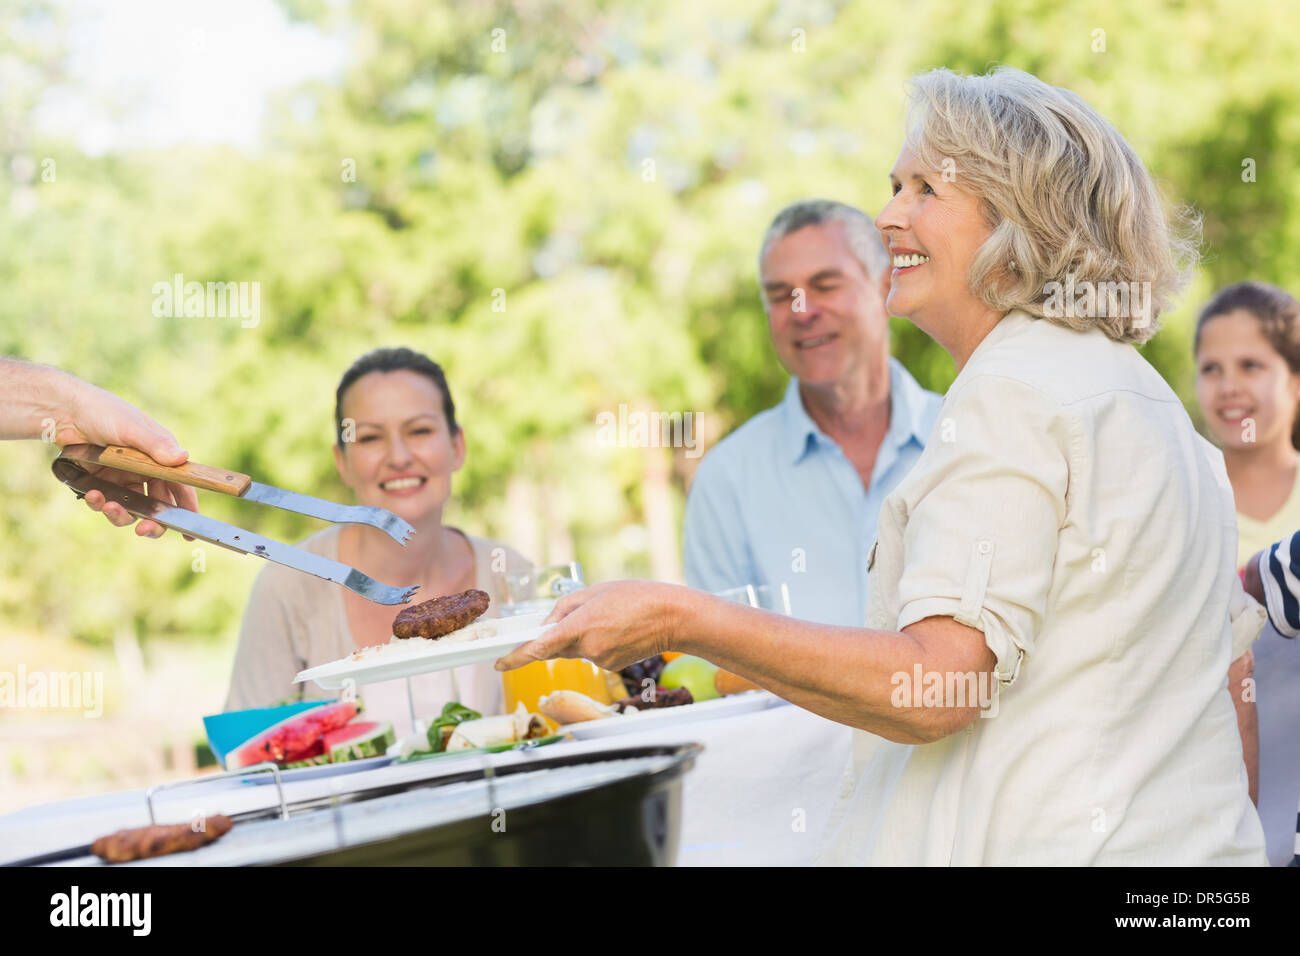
x: 496, y: 638
x: 729, y: 706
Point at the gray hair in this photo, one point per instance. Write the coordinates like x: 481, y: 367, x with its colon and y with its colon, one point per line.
x: 864, y: 240
x: 1066, y: 196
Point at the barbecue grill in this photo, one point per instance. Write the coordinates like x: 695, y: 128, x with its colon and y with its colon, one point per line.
x: 600, y: 807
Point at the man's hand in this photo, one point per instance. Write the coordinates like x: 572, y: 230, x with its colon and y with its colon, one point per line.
x: 37, y: 401
x: 98, y: 417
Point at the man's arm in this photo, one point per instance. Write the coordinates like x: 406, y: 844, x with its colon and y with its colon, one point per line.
x: 37, y: 401
x: 31, y: 397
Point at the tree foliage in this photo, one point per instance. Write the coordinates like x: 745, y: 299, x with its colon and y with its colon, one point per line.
x: 561, y: 202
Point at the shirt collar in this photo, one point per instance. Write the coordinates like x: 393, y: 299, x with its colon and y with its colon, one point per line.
x: 906, y: 415
x: 1015, y: 321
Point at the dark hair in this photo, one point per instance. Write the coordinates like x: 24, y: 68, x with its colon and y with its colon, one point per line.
x: 1279, y: 318
x: 394, y: 360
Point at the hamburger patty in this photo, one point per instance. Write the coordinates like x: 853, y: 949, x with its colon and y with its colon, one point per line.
x: 441, y: 615
x: 144, y: 842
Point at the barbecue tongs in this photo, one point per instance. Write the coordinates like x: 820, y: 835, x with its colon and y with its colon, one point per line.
x: 68, y: 468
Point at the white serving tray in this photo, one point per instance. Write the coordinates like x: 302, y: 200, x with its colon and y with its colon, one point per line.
x: 495, y: 637
x: 719, y: 707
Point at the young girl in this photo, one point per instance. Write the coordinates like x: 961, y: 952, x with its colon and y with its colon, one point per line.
x: 1248, y: 384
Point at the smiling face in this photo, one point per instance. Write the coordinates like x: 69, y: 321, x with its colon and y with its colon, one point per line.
x: 843, y: 326
x: 1240, y: 376
x: 933, y: 230
x: 404, y: 454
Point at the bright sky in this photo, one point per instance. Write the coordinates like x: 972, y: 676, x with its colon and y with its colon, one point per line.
x: 159, y: 72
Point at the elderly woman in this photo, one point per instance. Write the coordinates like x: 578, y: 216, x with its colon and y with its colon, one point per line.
x: 1049, y: 626
x: 398, y: 445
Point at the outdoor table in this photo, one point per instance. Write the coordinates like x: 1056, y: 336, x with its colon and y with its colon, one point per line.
x: 760, y: 793
x: 762, y: 790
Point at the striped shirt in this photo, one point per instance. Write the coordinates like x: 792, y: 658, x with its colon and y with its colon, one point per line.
x: 1279, y: 572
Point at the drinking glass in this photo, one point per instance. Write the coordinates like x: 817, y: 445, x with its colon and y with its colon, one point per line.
x: 536, y: 591
x: 755, y: 595
x: 760, y: 596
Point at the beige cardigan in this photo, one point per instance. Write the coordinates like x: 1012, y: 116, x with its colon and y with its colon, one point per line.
x: 294, y: 621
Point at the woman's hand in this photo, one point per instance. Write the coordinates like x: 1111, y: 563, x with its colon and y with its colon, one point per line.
x: 613, y: 625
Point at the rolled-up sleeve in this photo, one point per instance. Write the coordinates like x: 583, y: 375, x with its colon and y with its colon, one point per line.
x: 982, y: 536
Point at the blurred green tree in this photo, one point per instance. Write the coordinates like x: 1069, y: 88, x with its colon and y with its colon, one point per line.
x: 561, y: 202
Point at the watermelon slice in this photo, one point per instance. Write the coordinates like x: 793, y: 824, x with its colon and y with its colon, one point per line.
x: 359, y: 740
x: 294, y: 738
x: 313, y: 761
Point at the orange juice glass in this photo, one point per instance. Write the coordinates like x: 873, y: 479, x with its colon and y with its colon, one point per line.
x: 530, y: 683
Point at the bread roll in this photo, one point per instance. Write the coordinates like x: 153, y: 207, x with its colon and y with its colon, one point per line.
x: 571, y: 707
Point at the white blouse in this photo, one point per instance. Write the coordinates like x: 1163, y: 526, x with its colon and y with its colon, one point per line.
x: 1065, y: 507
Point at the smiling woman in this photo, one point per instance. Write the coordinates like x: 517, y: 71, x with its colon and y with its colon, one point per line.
x: 1069, y: 202
x: 1065, y: 539
x: 398, y: 445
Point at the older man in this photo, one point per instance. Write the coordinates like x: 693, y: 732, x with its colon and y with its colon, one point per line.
x: 792, y: 496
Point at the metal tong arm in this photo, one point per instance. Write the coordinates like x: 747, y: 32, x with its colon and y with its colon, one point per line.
x: 228, y: 536
x: 137, y: 462
x: 143, y: 506
x: 81, y: 481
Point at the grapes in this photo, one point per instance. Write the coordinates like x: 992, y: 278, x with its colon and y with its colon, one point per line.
x: 634, y: 674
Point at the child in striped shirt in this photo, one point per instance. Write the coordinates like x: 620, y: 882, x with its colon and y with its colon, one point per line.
x: 1272, y: 577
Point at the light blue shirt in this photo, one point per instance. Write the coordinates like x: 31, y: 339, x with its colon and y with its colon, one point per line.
x: 778, y: 501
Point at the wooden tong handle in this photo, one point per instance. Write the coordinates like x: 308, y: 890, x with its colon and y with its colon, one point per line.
x: 137, y: 462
